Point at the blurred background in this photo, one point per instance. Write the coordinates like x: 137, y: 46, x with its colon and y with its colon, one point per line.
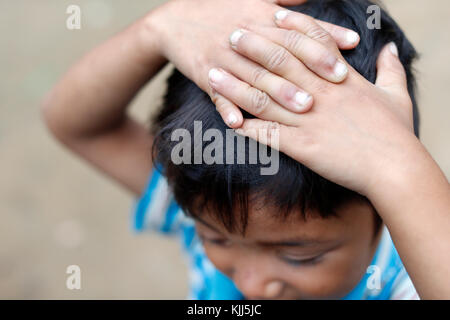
x: 56, y: 211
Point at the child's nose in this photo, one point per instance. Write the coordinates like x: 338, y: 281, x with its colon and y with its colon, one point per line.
x: 256, y: 283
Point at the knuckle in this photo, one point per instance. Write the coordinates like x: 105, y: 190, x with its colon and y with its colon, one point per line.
x: 294, y: 40
x: 323, y: 60
x: 320, y: 87
x: 274, y: 129
x: 259, y: 101
x: 308, y: 20
x: 308, y: 142
x: 220, y: 107
x: 271, y: 129
x: 317, y: 33
x: 258, y: 74
x: 277, y: 58
x: 245, y: 25
x: 215, y: 99
x: 220, y: 104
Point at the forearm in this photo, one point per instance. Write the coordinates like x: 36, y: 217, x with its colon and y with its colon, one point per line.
x: 93, y: 95
x: 416, y: 209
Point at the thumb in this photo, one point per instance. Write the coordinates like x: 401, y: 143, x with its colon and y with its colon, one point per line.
x: 391, y: 75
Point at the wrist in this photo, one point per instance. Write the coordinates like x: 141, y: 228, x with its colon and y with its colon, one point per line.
x: 152, y: 31
x: 404, y: 177
x: 150, y: 38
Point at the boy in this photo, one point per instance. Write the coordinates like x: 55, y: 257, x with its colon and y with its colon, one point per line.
x: 291, y: 235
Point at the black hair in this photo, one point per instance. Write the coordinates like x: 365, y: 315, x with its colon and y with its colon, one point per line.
x: 228, y: 190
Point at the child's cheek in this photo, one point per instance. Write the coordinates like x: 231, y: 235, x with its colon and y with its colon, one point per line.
x: 221, y: 258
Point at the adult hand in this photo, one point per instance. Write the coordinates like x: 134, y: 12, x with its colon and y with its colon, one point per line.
x: 194, y: 35
x: 357, y: 133
x: 361, y: 136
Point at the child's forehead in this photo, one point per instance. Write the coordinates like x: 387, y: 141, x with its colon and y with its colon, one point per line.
x: 263, y: 224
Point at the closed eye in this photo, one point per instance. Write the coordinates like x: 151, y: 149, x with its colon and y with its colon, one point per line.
x: 302, y: 262
x: 217, y: 242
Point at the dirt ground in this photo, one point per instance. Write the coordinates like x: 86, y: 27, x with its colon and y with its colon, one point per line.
x: 56, y: 211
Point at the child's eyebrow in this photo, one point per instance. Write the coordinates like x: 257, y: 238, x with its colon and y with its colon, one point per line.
x: 294, y: 242
x: 207, y: 224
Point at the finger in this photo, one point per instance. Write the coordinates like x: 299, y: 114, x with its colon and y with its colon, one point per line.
x: 391, y: 75
x: 329, y: 34
x: 282, y: 91
x: 248, y: 70
x: 318, y: 58
x: 286, y: 139
x: 346, y: 39
x: 229, y: 112
x: 253, y: 100
x: 270, y: 133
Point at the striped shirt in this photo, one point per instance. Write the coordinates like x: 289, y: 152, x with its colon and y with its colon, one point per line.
x: 156, y: 211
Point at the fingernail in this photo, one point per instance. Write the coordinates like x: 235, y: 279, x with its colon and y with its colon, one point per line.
x: 340, y: 70
x: 352, y: 37
x: 215, y: 75
x: 235, y: 36
x: 302, y: 99
x: 231, y: 119
x: 281, y: 15
x: 393, y: 48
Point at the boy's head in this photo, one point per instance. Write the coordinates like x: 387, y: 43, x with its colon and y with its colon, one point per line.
x: 290, y: 235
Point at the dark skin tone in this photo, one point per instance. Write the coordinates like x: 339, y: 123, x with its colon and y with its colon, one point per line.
x: 294, y: 259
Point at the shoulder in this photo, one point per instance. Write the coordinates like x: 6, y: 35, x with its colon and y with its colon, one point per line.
x: 156, y: 209
x: 395, y: 283
x: 403, y: 288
